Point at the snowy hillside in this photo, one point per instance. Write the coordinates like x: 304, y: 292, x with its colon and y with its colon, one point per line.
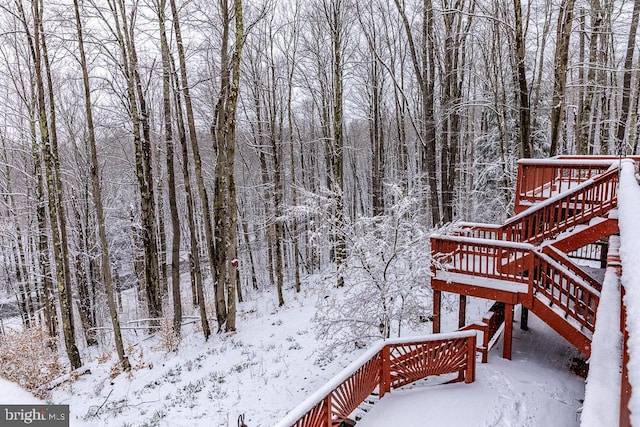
x: 276, y: 360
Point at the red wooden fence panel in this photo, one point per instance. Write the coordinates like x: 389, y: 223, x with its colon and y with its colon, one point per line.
x: 391, y: 364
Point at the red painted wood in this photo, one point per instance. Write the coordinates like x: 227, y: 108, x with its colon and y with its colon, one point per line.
x: 538, y: 181
x: 437, y: 298
x: 508, y: 331
x: 573, y: 208
x: 385, y: 381
x: 394, y: 366
x: 470, y: 372
x: 625, y: 385
x: 588, y: 235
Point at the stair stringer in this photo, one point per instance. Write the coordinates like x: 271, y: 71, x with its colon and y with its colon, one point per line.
x: 568, y: 331
x: 589, y: 234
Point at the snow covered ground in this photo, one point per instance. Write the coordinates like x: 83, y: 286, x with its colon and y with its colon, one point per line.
x: 534, y: 389
x: 274, y: 362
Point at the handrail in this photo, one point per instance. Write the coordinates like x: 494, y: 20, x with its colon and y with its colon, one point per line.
x: 387, y: 365
x: 540, y: 179
x: 562, y: 284
x: 630, y: 279
x: 574, y: 297
x: 563, y: 259
x: 492, y: 259
x: 587, y: 200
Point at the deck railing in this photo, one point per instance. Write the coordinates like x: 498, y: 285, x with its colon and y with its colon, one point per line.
x: 576, y: 206
x: 596, y: 251
x: 388, y: 365
x: 539, y: 180
x: 590, y: 198
x: 562, y: 284
x: 492, y: 259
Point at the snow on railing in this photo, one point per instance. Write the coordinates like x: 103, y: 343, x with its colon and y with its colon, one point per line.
x: 387, y: 365
x: 493, y: 259
x: 587, y: 199
x: 629, y: 222
x: 602, y: 389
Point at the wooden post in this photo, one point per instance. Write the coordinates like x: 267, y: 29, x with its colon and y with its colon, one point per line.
x: 604, y: 250
x: 437, y: 297
x: 508, y: 331
x: 328, y: 419
x: 385, y: 377
x: 462, y: 312
x: 524, y: 318
x: 470, y: 372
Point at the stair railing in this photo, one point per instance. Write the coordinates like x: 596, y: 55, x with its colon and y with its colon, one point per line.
x: 564, y: 259
x: 570, y: 295
x: 540, y: 179
x: 546, y: 219
x: 560, y: 283
x: 387, y: 365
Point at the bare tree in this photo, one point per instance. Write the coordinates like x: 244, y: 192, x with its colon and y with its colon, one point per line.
x: 49, y: 147
x: 224, y: 140
x: 195, y: 150
x: 526, y: 145
x: 97, y: 196
x: 424, y: 65
x: 626, y: 85
x: 563, y: 35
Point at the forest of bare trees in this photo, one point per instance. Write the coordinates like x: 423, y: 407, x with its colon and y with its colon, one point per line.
x: 238, y: 142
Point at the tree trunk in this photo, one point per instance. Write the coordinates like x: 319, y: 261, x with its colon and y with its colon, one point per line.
x: 526, y: 145
x: 204, y: 199
x: 626, y: 82
x: 173, y: 206
x: 563, y: 35
x: 97, y: 199
x: 144, y: 175
x: 55, y: 199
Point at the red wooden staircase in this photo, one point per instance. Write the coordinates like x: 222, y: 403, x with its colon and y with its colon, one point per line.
x: 562, y: 205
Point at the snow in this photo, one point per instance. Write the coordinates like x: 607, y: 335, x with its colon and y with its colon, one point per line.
x: 534, y: 389
x: 274, y: 363
x: 483, y: 282
x: 602, y: 391
x: 570, y: 162
x: 489, y: 242
x: 13, y: 394
x: 555, y: 199
x: 629, y: 221
x: 262, y: 371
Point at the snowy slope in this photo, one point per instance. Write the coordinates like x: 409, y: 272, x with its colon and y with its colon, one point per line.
x: 274, y: 362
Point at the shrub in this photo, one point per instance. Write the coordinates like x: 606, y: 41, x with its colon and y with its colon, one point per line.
x: 28, y: 358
